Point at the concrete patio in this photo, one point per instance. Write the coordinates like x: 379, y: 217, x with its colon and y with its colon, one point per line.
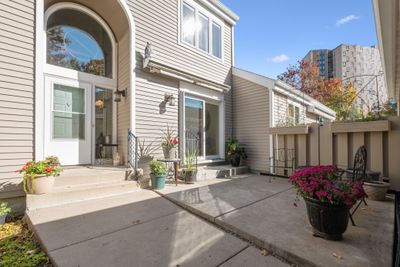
x: 260, y: 209
x: 138, y: 228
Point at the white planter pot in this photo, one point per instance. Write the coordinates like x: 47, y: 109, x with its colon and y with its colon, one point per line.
x: 376, y: 190
x: 3, y: 219
x: 169, y: 153
x: 41, y: 184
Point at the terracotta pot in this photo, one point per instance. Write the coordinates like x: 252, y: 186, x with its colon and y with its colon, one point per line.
x: 42, y: 184
x: 169, y: 153
x: 328, y: 221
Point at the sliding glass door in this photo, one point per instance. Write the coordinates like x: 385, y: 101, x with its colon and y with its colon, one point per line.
x: 202, y: 123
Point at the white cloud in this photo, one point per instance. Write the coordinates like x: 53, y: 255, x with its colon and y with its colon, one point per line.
x: 346, y: 19
x: 280, y: 58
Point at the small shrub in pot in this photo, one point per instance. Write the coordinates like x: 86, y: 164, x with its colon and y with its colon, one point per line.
x: 190, y: 172
x: 158, y: 174
x: 235, y: 152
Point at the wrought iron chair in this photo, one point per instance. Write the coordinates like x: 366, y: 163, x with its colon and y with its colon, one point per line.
x: 359, y: 174
x: 283, y: 158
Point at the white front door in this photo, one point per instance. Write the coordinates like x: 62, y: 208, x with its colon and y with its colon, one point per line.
x: 68, y: 120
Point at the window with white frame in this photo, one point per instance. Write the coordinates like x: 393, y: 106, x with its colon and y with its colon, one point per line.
x: 200, y: 30
x: 202, y: 122
x: 293, y: 114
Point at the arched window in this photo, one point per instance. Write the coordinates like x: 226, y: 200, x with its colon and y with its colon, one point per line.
x: 77, y: 41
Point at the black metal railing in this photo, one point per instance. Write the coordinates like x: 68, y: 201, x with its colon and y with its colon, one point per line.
x: 132, y: 151
x: 192, y: 144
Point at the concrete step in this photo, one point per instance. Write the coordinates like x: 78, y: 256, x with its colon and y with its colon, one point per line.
x: 225, y: 171
x: 66, y: 195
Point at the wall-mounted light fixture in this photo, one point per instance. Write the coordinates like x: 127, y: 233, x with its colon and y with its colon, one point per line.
x: 119, y: 93
x: 170, y: 99
x: 321, y: 121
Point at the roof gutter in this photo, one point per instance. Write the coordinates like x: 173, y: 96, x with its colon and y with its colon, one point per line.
x: 220, y: 9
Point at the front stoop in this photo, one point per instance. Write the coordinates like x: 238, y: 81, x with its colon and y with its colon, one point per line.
x: 76, y: 185
x: 225, y: 171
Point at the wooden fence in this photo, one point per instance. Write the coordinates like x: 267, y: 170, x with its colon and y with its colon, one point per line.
x: 337, y: 142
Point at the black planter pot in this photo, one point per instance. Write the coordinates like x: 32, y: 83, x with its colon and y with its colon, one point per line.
x: 235, y: 160
x: 328, y: 221
x: 190, y: 177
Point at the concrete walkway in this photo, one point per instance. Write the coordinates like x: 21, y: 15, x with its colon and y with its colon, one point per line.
x: 137, y: 229
x: 260, y: 209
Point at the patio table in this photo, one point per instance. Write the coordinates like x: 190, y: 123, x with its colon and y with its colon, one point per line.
x: 176, y: 167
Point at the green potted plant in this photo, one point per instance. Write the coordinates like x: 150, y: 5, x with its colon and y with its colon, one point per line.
x: 39, y: 175
x: 158, y: 174
x: 190, y: 172
x: 146, y: 151
x: 169, y: 143
x: 328, y: 200
x: 235, y: 152
x: 4, y: 211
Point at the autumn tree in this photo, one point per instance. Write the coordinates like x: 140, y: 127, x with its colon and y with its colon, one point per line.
x: 341, y: 99
x: 305, y: 76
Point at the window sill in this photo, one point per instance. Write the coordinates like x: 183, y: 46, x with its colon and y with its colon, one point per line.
x: 205, y: 161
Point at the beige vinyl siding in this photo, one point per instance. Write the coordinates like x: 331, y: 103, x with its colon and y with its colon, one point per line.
x: 16, y: 92
x: 281, y: 103
x: 157, y: 23
x: 251, y: 121
x: 280, y: 108
x: 123, y: 107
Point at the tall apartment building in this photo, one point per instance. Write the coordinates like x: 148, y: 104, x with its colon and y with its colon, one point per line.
x: 360, y: 65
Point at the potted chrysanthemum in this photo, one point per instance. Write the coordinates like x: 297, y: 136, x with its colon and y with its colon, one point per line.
x: 39, y: 175
x: 158, y: 174
x: 328, y: 200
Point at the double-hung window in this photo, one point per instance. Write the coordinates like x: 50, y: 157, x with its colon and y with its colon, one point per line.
x: 293, y: 114
x: 200, y: 30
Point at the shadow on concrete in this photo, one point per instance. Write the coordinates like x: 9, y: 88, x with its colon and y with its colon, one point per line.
x: 130, y: 230
x: 261, y: 210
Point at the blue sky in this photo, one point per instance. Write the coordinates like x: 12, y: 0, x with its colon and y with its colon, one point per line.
x: 271, y: 34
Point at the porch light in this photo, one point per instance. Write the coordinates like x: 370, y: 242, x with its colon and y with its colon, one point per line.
x: 170, y: 99
x: 119, y: 93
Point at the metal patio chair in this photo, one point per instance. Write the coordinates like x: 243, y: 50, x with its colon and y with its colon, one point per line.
x: 359, y: 174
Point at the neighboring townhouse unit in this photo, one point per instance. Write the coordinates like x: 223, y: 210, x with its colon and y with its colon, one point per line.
x: 360, y: 65
x: 260, y: 103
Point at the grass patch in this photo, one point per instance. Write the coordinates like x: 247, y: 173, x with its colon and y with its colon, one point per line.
x: 18, y: 246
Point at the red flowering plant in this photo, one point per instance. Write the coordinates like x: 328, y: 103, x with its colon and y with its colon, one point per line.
x: 32, y: 169
x: 321, y: 183
x: 169, y: 140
